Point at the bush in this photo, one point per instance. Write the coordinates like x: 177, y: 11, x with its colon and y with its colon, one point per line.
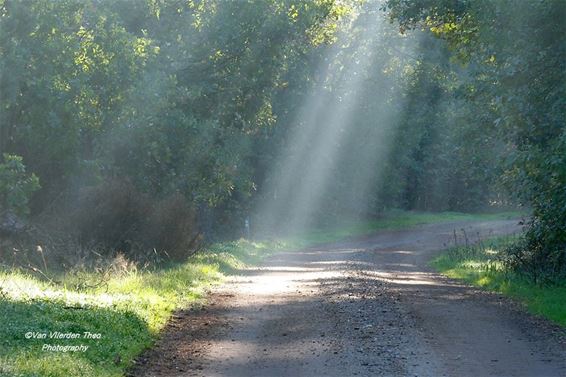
x: 16, y: 186
x: 116, y: 217
x: 110, y: 215
x: 538, y: 255
x: 171, y: 227
x: 542, y: 252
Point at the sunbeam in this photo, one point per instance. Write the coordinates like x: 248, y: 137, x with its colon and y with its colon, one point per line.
x: 333, y: 156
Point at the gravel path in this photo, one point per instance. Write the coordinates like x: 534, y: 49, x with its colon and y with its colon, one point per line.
x: 369, y: 307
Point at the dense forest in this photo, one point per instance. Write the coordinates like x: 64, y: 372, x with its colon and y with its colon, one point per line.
x: 150, y: 127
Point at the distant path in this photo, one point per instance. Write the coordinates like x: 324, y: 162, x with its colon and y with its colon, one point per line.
x: 369, y: 307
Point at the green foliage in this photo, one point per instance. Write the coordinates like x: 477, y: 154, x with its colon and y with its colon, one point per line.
x: 514, y: 53
x: 16, y: 186
x: 69, y: 63
x: 172, y: 95
x: 542, y: 173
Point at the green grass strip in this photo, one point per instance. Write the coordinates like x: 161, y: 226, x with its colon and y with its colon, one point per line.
x: 480, y: 266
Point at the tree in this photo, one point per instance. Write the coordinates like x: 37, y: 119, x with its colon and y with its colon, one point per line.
x: 517, y: 53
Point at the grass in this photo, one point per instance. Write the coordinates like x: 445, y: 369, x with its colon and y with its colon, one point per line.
x: 480, y: 265
x: 128, y: 307
x: 395, y: 219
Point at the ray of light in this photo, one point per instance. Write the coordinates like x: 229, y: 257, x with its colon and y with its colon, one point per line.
x: 328, y: 136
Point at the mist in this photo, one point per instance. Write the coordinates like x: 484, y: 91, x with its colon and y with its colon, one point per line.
x: 337, y: 146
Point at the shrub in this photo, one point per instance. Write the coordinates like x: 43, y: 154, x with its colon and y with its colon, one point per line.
x: 538, y: 255
x: 110, y: 215
x: 171, y: 227
x: 542, y: 253
x: 116, y: 217
x: 16, y: 186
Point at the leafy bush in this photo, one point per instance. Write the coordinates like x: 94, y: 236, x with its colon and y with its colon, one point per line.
x: 171, y: 226
x: 16, y: 186
x: 110, y: 215
x: 116, y: 217
x: 542, y: 252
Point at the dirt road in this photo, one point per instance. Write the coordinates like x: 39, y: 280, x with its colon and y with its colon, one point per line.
x: 369, y: 307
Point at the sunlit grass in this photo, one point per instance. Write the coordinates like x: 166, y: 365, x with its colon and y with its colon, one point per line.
x: 128, y: 309
x: 479, y: 266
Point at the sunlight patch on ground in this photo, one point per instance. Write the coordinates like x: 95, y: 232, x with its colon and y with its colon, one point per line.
x: 344, y: 263
x: 289, y: 269
x: 331, y: 263
x: 281, y: 283
x: 406, y: 265
x: 404, y: 278
x: 333, y: 251
x: 403, y: 252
